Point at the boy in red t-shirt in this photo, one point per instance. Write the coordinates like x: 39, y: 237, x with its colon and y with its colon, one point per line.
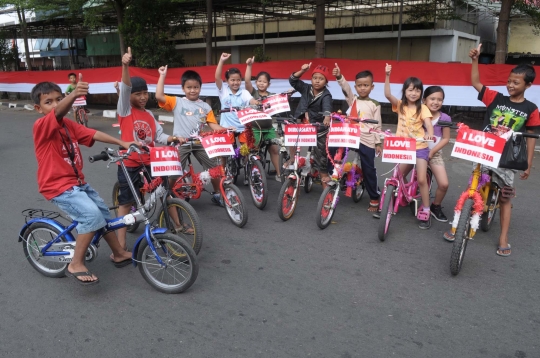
x: 60, y: 177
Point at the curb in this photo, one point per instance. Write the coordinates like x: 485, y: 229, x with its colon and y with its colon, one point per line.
x: 15, y: 105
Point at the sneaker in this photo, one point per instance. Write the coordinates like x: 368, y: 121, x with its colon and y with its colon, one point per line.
x: 278, y: 178
x: 216, y: 199
x: 436, y: 212
x: 424, y: 225
x: 246, y: 181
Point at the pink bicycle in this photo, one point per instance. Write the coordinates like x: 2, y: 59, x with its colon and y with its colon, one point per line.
x: 398, y: 192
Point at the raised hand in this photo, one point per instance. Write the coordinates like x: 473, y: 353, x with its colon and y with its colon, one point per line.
x: 163, y: 70
x: 224, y: 57
x: 475, y: 52
x: 116, y: 85
x: 388, y: 69
x: 82, y: 87
x: 250, y: 61
x: 336, y: 72
x: 306, y: 66
x: 126, y: 59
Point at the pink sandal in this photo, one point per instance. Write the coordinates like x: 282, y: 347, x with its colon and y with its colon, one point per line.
x: 423, y: 214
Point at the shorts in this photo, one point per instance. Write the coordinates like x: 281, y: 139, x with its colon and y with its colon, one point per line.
x: 126, y: 196
x: 503, y: 177
x: 197, y: 150
x: 263, y: 134
x: 84, y: 205
x: 437, y: 159
x: 241, y: 137
x: 422, y: 154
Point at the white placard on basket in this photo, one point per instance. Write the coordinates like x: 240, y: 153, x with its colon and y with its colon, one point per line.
x: 479, y: 147
x: 217, y: 145
x: 279, y: 103
x: 249, y: 115
x: 301, y: 135
x: 399, y: 150
x: 344, y: 135
x: 164, y: 161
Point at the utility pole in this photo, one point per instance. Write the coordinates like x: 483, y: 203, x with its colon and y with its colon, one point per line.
x: 319, y: 30
x: 209, y: 29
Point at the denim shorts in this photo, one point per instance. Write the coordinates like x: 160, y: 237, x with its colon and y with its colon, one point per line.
x: 84, y: 205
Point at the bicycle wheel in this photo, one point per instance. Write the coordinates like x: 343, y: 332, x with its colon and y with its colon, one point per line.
x: 386, y: 212
x: 308, y: 183
x: 492, y: 203
x: 257, y: 184
x: 461, y: 238
x: 34, y: 238
x: 191, y: 229
x: 83, y: 117
x: 287, y: 199
x: 181, y: 267
x: 358, y: 192
x: 325, y: 211
x: 236, y: 208
x: 115, y: 194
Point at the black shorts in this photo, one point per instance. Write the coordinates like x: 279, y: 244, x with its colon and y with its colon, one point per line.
x: 126, y: 196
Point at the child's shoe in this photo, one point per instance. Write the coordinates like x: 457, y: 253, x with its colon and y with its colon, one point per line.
x: 217, y: 199
x: 436, y: 212
x: 424, y: 218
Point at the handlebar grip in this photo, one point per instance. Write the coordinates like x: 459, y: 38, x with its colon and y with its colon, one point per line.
x: 528, y: 135
x: 446, y: 124
x: 369, y: 121
x: 101, y: 156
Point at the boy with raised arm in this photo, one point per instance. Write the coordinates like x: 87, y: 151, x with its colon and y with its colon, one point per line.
x: 136, y: 123
x: 519, y: 114
x: 60, y: 177
x: 370, y: 143
x: 189, y: 115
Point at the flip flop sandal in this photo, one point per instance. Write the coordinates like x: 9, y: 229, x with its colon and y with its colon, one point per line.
x: 501, y: 249
x: 373, y: 204
x: 184, y: 230
x: 122, y: 263
x: 75, y: 276
x: 448, y: 236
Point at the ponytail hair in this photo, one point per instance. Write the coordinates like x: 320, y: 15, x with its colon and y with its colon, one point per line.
x: 417, y: 84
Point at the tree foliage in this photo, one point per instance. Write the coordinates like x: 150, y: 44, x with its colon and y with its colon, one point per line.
x: 9, y: 55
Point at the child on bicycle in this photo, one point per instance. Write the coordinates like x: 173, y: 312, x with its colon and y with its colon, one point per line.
x: 370, y: 143
x: 316, y: 98
x: 263, y: 129
x: 60, y: 177
x: 433, y: 99
x: 190, y: 115
x: 413, y: 116
x: 519, y: 114
x: 136, y: 123
x: 80, y: 101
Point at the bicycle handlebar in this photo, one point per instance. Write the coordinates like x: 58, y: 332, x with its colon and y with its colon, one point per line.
x: 527, y: 135
x: 115, y: 156
x: 101, y: 156
x: 231, y: 109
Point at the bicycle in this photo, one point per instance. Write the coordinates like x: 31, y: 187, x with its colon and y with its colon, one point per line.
x: 247, y: 158
x: 397, y: 192
x: 341, y: 180
x: 476, y: 207
x: 80, y: 115
x: 156, y: 188
x: 299, y: 172
x: 191, y: 184
x: 166, y: 261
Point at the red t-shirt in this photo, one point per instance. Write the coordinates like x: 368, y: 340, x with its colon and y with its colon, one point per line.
x: 55, y: 174
x: 139, y: 126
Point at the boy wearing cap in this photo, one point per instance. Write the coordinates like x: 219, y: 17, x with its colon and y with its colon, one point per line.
x: 316, y: 98
x: 137, y: 124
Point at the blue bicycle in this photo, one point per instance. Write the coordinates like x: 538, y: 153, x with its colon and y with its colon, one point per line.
x: 166, y: 261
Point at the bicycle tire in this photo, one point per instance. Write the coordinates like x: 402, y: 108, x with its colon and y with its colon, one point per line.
x: 358, y: 192
x: 257, y: 184
x: 116, y: 191
x: 188, y: 216
x: 461, y: 238
x: 325, y: 211
x: 286, y: 201
x: 487, y: 218
x: 85, y: 118
x: 308, y: 183
x: 32, y: 253
x: 386, y: 212
x: 236, y: 211
x: 180, y: 259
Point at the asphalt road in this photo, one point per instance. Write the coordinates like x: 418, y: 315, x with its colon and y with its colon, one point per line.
x: 276, y: 289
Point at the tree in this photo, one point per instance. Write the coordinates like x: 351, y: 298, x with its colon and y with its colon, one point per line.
x: 20, y: 7
x: 149, y: 26
x: 9, y: 54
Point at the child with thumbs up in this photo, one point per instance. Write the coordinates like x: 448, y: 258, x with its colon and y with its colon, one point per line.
x: 60, y: 178
x: 316, y: 98
x: 370, y: 143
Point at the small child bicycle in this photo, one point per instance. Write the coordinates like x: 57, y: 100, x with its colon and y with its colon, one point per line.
x: 166, y: 261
